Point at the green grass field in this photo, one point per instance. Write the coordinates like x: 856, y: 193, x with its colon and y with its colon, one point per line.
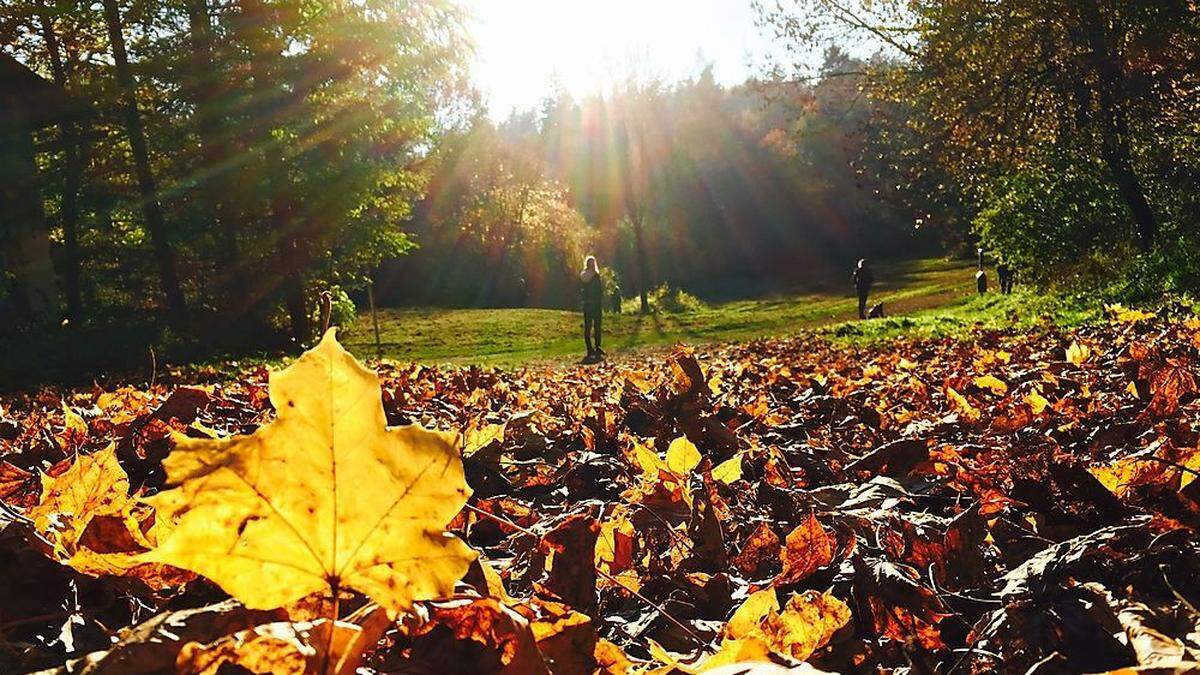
x: 926, y: 296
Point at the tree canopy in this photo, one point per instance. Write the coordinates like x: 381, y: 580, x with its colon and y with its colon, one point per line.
x: 238, y: 157
x: 1067, y: 130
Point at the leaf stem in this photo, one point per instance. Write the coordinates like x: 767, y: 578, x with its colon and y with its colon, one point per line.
x: 329, y: 665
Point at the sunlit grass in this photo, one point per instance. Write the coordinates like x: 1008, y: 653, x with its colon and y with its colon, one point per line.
x: 1020, y: 310
x: 515, y: 336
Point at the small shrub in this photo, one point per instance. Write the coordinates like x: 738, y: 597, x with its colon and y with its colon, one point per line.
x: 665, y: 299
x: 674, y: 300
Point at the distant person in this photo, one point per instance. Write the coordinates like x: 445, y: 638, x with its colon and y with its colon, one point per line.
x: 615, y: 300
x: 591, y: 293
x: 1004, y: 274
x: 863, y: 279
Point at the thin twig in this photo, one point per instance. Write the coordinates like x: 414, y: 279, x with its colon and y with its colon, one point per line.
x: 1170, y: 463
x: 954, y: 594
x: 665, y: 614
x: 1186, y: 603
x: 8, y: 512
x: 670, y: 530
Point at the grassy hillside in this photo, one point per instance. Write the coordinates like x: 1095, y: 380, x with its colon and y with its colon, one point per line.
x: 926, y: 295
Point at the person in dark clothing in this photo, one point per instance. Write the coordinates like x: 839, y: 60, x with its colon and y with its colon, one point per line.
x: 863, y: 279
x: 1005, y: 275
x: 615, y: 300
x: 591, y: 290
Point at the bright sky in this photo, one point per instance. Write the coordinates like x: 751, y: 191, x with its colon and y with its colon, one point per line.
x: 524, y: 46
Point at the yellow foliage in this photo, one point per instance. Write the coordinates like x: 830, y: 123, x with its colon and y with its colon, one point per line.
x: 647, y: 461
x: 1125, y: 474
x: 273, y: 648
x: 285, y: 648
x: 495, y: 584
x: 93, y: 492
x: 615, y: 550
x: 760, y: 631
x: 1123, y: 314
x: 642, y: 380
x: 1191, y: 462
x: 806, y: 623
x: 94, y: 485
x: 746, y: 619
x: 682, y: 456
x: 476, y: 438
x: 124, y: 405
x: 962, y: 406
x: 664, y: 477
x: 1078, y: 353
x: 1037, y: 402
x: 75, y: 428
x: 729, y: 471
x: 325, y: 497
x: 611, y: 659
x: 992, y: 384
x: 89, y: 505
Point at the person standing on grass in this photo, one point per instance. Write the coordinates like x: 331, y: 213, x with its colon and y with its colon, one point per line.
x: 863, y: 279
x: 1004, y: 273
x: 591, y: 291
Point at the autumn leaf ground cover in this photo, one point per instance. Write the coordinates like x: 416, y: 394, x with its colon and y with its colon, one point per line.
x: 1007, y: 500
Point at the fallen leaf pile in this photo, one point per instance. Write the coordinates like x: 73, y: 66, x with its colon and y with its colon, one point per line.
x: 1014, y: 502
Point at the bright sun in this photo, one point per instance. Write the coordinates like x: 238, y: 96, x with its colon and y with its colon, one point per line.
x: 584, y: 46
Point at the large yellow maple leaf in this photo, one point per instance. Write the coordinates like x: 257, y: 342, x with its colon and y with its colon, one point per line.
x: 326, y: 497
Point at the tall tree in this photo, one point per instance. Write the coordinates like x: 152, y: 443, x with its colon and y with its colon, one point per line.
x: 208, y: 95
x: 164, y: 255
x: 258, y: 32
x: 73, y: 171
x: 635, y: 110
x: 1108, y: 87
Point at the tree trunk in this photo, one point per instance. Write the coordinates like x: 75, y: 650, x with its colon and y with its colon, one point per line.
x: 24, y: 242
x: 1117, y: 156
x: 288, y: 249
x: 164, y: 255
x: 72, y: 156
x: 289, y: 252
x: 215, y: 186
x: 1114, y: 125
x: 297, y: 309
x: 639, y: 243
